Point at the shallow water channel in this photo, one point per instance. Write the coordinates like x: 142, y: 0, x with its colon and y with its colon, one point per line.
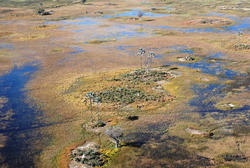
x: 19, y: 119
x: 105, y: 30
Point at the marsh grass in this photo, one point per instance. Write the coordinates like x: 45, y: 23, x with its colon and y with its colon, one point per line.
x: 125, y: 95
x: 165, y: 32
x: 43, y: 27
x: 96, y: 41
x: 28, y: 36
x: 242, y: 46
x: 122, y: 89
x: 35, y: 3
x: 5, y: 34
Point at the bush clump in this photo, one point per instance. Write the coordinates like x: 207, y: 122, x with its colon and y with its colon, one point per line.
x: 41, y: 11
x: 242, y: 46
x: 143, y: 76
x: 90, y: 157
x: 125, y: 95
x: 99, y: 124
x: 234, y: 157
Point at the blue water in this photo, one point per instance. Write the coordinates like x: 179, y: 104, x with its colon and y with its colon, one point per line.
x: 117, y: 30
x: 181, y: 49
x: 118, y: 35
x: 127, y: 49
x: 122, y: 34
x: 178, y: 47
x: 81, y: 21
x: 122, y: 48
x: 6, y: 46
x: 113, y: 34
x: 114, y: 31
x: 241, y: 24
x: 19, y: 128
x: 212, y: 68
x: 77, y: 50
x: 12, y: 87
x: 78, y: 30
x: 193, y: 30
x: 223, y: 15
x: 206, y: 95
x: 158, y: 56
x: 134, y: 13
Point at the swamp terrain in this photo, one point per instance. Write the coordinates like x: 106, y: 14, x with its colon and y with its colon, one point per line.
x: 171, y: 76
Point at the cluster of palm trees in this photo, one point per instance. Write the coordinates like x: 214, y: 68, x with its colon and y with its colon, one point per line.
x: 148, y: 60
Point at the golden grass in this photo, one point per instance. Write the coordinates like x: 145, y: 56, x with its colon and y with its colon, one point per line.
x: 5, y: 60
x: 96, y: 41
x: 4, y: 34
x: 57, y: 50
x: 75, y: 93
x: 28, y: 36
x: 165, y: 32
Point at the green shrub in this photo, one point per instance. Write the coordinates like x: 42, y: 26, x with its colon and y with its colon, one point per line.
x: 142, y: 76
x: 242, y: 46
x: 125, y: 95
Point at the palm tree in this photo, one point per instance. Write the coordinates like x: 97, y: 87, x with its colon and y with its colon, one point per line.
x: 90, y: 96
x: 141, y: 53
x: 98, y: 101
x: 149, y: 60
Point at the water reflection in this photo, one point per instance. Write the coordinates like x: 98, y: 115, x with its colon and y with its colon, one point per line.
x: 18, y: 150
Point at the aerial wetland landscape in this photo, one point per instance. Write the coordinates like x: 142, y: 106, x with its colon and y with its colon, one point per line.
x: 124, y: 84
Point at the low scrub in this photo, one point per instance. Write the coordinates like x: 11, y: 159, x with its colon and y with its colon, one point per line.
x: 143, y: 76
x: 125, y: 95
x: 90, y: 157
x: 242, y: 46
